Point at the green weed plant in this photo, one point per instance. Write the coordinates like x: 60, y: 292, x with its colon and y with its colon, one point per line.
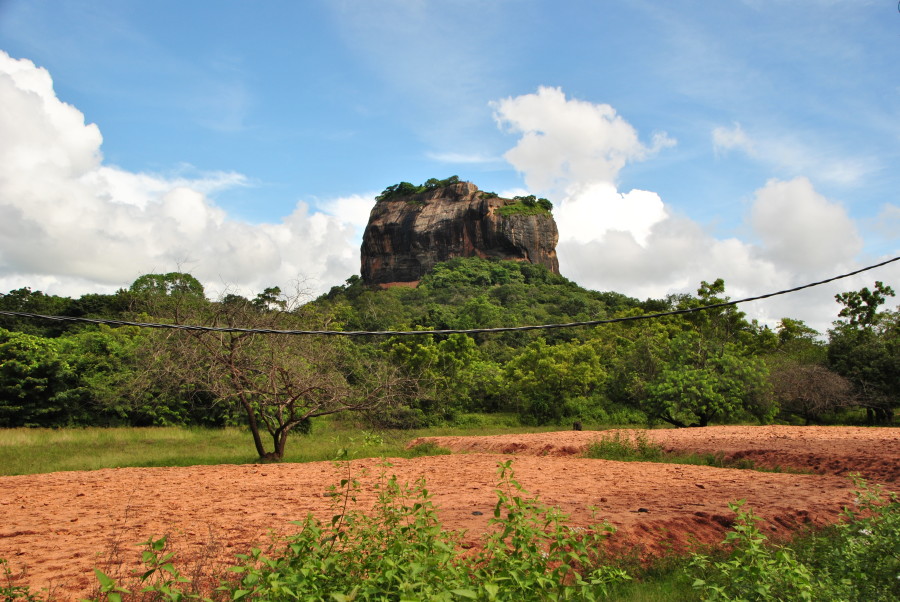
x: 625, y: 447
x: 400, y: 552
x: 756, y: 570
x: 858, y: 559
x: 635, y: 446
x: 855, y: 560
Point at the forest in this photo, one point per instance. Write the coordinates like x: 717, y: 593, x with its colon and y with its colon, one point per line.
x: 693, y: 369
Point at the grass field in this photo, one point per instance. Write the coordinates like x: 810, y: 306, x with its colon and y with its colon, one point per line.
x: 31, y: 451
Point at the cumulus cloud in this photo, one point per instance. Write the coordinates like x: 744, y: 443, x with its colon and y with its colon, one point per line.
x: 633, y: 242
x: 565, y: 141
x: 594, y: 210
x: 801, y: 229
x: 888, y: 224
x: 72, y: 224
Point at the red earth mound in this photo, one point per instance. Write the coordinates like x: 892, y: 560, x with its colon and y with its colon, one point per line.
x: 56, y: 527
x: 872, y: 452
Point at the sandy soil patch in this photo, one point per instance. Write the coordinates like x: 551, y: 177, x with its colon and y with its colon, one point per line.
x: 56, y: 527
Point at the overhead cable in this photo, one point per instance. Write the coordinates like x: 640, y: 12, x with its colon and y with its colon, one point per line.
x: 356, y: 333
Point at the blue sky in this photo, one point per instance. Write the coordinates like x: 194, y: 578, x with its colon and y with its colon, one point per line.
x: 680, y: 141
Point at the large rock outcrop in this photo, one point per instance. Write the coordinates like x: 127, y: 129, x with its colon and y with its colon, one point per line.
x: 408, y: 235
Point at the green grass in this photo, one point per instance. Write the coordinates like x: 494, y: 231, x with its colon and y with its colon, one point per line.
x: 521, y: 209
x: 31, y: 451
x: 636, y: 447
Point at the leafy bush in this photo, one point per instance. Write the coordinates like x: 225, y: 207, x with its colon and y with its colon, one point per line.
x: 855, y: 560
x: 618, y: 445
x: 427, y: 448
x: 396, y: 417
x: 526, y: 206
x: 401, y: 552
x: 859, y: 558
x: 755, y: 571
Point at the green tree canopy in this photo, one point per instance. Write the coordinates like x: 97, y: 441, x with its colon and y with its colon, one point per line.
x: 864, y: 347
x: 171, y: 284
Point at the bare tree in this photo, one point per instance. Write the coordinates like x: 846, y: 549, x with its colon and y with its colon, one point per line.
x: 279, y: 381
x: 810, y: 390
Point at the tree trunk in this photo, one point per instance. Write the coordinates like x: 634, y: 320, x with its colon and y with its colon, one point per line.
x: 279, y: 445
x: 672, y: 421
x: 254, y: 428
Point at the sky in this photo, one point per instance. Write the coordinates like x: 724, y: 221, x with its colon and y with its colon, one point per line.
x: 756, y: 141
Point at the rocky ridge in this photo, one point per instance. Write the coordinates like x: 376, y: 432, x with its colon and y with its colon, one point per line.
x: 408, y: 235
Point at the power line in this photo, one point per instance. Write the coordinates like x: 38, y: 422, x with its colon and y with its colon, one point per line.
x: 355, y: 333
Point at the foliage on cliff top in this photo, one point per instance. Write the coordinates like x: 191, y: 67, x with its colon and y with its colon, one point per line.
x: 407, y: 189
x: 521, y: 205
x: 526, y: 205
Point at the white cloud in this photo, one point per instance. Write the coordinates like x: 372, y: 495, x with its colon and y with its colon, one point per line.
x: 794, y: 156
x: 70, y: 224
x: 726, y: 139
x: 567, y: 141
x: 635, y: 244
x: 596, y: 209
x: 801, y: 229
x: 353, y: 210
x: 888, y: 222
x: 463, y: 158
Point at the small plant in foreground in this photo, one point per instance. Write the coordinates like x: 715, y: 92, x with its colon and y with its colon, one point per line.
x: 534, y: 555
x: 855, y: 560
x: 398, y: 551
x: 161, y: 579
x: 9, y: 591
x: 755, y: 571
x: 859, y: 559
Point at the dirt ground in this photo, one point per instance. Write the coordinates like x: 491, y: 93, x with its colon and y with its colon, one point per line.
x: 55, y: 528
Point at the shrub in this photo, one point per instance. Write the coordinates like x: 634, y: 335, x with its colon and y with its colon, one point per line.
x: 522, y: 208
x: 617, y: 445
x: 408, y: 189
x: 859, y: 559
x: 755, y: 571
x: 855, y: 560
x: 398, y: 417
x: 428, y: 448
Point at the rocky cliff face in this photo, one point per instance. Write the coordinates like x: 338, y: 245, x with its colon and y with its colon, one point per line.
x: 408, y: 235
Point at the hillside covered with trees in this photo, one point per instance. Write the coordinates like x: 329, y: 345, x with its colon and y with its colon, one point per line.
x: 700, y: 368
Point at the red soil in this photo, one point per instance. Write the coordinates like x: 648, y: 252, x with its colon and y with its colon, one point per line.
x: 54, y: 528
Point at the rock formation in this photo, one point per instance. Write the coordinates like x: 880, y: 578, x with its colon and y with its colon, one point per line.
x: 407, y: 235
